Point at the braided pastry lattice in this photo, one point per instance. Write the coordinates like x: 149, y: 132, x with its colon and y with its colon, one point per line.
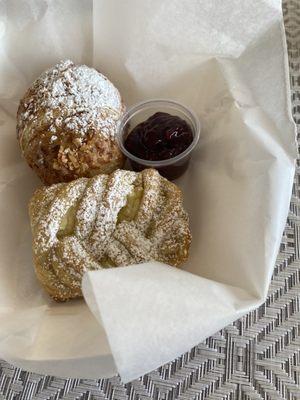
x: 106, y: 221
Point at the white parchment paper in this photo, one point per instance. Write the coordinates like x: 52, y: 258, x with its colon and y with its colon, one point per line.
x: 226, y: 60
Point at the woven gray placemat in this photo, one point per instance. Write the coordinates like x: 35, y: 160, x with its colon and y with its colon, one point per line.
x: 257, y: 357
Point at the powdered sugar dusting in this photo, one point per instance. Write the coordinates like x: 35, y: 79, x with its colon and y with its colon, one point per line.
x: 156, y: 230
x: 119, y: 254
x: 48, y: 227
x: 119, y: 186
x: 85, y: 99
x: 128, y: 234
x: 87, y: 209
x: 77, y: 260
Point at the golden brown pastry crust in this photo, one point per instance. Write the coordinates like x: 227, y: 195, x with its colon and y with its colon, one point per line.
x: 107, y: 221
x: 66, y: 124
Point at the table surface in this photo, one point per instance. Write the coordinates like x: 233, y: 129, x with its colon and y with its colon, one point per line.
x: 257, y: 357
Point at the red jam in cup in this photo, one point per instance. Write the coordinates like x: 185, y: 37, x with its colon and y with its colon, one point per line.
x: 159, y: 134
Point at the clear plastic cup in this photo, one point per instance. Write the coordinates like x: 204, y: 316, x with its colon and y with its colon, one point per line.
x: 171, y: 168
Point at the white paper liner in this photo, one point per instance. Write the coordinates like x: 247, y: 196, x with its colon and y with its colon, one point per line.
x: 226, y: 60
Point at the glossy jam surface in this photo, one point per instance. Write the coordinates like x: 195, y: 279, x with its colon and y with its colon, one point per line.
x: 162, y: 136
